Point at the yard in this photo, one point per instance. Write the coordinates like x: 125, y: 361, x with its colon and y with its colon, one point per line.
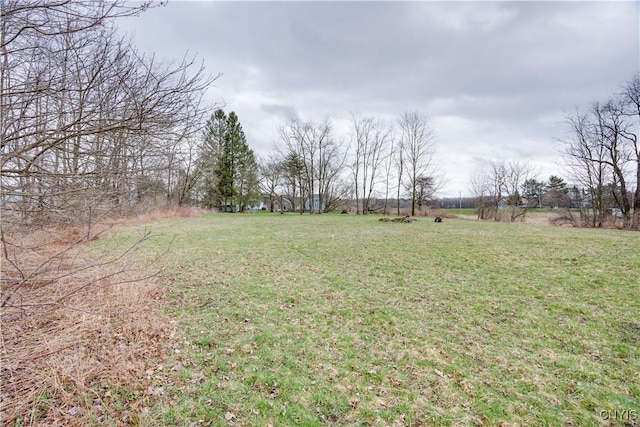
x: 326, y: 319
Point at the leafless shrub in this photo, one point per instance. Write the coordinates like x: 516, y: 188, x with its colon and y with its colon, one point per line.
x: 86, y: 326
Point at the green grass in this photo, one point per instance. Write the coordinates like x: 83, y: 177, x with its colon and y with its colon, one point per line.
x: 342, y: 320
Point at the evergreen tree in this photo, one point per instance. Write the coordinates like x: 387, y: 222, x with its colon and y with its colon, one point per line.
x: 247, y: 179
x: 228, y: 164
x: 557, y: 183
x: 557, y: 194
x: 225, y: 168
x: 210, y: 156
x: 533, y: 189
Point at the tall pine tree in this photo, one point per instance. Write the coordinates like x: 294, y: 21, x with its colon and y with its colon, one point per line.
x: 210, y: 155
x: 229, y: 166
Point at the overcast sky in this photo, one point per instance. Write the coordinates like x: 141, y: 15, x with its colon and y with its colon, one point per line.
x: 495, y: 78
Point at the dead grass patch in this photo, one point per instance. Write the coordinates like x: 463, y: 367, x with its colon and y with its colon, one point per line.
x: 167, y: 213
x: 63, y: 363
x: 79, y: 328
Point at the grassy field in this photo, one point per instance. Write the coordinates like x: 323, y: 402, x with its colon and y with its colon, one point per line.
x: 344, y: 320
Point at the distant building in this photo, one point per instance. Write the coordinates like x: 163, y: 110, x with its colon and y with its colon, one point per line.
x: 317, y: 207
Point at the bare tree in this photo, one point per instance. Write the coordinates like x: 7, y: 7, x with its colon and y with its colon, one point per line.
x: 301, y: 146
x: 271, y: 177
x: 380, y: 150
x: 185, y: 155
x: 399, y: 166
x: 319, y: 159
x: 361, y: 130
x: 586, y: 157
x: 418, y: 146
x: 497, y: 188
x: 631, y: 109
x: 480, y: 187
x: 75, y: 125
x: 372, y: 137
x: 331, y: 161
x: 515, y: 175
x: 599, y: 151
x: 613, y: 129
x: 604, y: 155
x: 387, y: 165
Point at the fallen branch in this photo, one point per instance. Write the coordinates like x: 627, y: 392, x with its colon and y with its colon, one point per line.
x: 406, y: 219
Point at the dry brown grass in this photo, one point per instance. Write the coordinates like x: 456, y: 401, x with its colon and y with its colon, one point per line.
x: 167, y: 213
x: 81, y: 329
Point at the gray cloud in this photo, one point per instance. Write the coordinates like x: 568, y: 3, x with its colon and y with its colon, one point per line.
x: 286, y: 112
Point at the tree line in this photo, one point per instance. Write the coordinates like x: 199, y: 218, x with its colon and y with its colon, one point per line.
x: 382, y: 164
x: 311, y: 170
